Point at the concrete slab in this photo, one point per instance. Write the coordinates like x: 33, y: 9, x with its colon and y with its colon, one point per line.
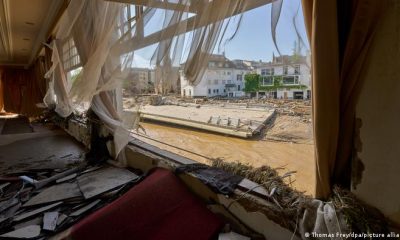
x: 240, y: 122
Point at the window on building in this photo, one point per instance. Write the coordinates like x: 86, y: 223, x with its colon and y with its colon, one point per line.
x: 190, y: 92
x: 229, y: 73
x: 220, y: 64
x: 267, y: 71
x: 285, y: 70
x: 223, y: 81
x: 216, y: 82
x: 297, y: 69
x: 224, y: 90
x: 229, y: 81
x: 267, y: 81
x: 238, y: 87
x: 217, y: 90
x: 71, y: 59
x: 239, y: 77
x: 209, y: 82
x: 290, y: 80
x: 211, y: 64
x: 226, y: 65
x: 209, y: 91
x: 263, y: 72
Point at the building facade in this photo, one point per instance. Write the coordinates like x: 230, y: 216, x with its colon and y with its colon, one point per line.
x: 286, y: 77
x: 139, y: 80
x: 222, y: 78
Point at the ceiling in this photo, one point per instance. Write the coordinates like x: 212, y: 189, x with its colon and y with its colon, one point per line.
x: 24, y: 25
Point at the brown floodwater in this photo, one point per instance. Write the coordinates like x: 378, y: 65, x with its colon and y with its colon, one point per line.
x: 200, y: 145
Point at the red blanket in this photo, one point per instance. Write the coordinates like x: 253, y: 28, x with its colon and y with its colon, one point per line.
x: 160, y: 207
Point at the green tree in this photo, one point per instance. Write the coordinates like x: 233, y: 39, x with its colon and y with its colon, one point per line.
x: 252, y: 82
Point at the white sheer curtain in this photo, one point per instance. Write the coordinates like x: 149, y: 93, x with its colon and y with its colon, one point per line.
x: 106, y: 50
x: 93, y: 26
x: 57, y: 93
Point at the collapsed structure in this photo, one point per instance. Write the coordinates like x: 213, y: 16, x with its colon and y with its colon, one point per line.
x: 76, y: 60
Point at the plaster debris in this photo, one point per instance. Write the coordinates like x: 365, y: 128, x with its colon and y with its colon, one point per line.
x: 67, y: 178
x: 55, y: 193
x: 232, y: 236
x: 85, y: 208
x: 26, y: 232
x: 50, y: 221
x: 35, y: 212
x: 98, y: 182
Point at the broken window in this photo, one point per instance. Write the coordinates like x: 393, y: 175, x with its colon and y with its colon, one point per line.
x: 244, y: 58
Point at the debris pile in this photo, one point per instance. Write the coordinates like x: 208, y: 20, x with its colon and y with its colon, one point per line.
x: 287, y: 205
x: 38, y: 203
x: 286, y: 202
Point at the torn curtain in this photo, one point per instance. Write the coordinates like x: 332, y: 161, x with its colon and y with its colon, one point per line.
x: 340, y: 34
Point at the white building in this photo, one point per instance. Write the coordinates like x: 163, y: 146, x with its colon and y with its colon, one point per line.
x: 139, y: 80
x: 294, y: 76
x: 221, y: 78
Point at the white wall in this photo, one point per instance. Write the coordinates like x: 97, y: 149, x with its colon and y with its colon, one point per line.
x: 376, y: 175
x: 223, y: 76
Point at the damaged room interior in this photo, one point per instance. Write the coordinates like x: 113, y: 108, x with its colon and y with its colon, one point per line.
x: 199, y: 119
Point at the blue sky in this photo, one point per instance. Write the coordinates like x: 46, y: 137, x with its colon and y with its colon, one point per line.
x: 253, y: 40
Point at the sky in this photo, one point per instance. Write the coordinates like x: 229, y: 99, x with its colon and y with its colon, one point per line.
x: 253, y: 40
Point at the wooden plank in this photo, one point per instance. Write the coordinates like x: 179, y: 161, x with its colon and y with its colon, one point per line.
x: 158, y: 4
x: 188, y: 25
x: 42, y: 183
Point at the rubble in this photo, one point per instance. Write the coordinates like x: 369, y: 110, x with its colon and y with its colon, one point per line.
x: 50, y: 221
x: 33, y: 208
x: 31, y: 231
